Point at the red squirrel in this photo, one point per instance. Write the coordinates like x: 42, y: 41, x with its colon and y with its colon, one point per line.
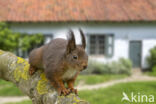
x: 62, y: 60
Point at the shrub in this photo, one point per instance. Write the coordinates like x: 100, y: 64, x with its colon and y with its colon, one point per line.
x: 122, y: 66
x: 27, y: 41
x: 11, y: 41
x: 154, y: 69
x: 8, y: 39
x: 151, y: 59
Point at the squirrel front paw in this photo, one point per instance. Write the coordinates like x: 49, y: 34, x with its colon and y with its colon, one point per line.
x: 72, y: 90
x: 63, y: 91
x: 32, y: 70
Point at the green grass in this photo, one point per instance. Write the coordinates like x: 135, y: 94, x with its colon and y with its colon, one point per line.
x: 113, y: 95
x: 151, y: 74
x: 9, y: 89
x: 95, y: 79
x: 22, y: 102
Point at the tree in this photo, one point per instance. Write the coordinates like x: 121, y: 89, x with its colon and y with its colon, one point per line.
x: 37, y: 87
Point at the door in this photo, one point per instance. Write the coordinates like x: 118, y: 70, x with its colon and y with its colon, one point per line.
x: 135, y: 53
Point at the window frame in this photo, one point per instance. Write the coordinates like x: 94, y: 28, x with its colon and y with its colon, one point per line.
x: 106, y: 44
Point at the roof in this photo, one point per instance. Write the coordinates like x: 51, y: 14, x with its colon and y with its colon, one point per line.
x: 77, y: 10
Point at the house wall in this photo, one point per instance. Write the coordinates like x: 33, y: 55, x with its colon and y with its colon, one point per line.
x: 123, y: 33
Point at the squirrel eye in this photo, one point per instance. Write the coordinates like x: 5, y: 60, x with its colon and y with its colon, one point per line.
x: 74, y: 57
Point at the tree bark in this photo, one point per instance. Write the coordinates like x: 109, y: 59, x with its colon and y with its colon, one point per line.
x: 37, y: 87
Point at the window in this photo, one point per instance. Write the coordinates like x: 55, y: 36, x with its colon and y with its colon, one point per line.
x: 101, y: 45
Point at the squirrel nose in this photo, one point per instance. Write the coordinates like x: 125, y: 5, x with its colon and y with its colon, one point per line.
x: 84, y: 67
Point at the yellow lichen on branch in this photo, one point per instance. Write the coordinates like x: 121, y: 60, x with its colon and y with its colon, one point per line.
x: 21, y: 70
x: 20, y: 60
x: 75, y: 99
x: 42, y: 84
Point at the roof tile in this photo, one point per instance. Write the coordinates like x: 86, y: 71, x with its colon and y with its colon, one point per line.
x: 77, y: 10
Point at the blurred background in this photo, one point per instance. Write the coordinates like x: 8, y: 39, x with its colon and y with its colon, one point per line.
x: 121, y: 44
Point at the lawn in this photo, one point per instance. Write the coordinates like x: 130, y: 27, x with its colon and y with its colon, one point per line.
x: 9, y: 89
x: 23, y: 102
x: 113, y: 95
x: 95, y: 79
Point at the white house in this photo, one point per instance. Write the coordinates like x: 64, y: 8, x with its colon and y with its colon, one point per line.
x: 118, y: 29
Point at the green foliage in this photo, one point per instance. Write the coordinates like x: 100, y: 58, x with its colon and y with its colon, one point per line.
x: 151, y: 59
x: 10, y: 41
x: 154, y: 69
x: 113, y: 94
x: 27, y: 42
x: 122, y: 66
x: 153, y: 72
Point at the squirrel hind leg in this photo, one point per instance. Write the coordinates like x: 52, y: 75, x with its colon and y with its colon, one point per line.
x: 32, y: 70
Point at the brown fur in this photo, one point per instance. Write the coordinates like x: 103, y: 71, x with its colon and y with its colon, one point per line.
x: 62, y: 60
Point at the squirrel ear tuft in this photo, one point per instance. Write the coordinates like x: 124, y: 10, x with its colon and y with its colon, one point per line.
x: 83, y: 39
x: 71, y: 42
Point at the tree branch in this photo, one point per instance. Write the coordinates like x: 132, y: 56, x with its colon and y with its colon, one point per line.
x: 37, y: 87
